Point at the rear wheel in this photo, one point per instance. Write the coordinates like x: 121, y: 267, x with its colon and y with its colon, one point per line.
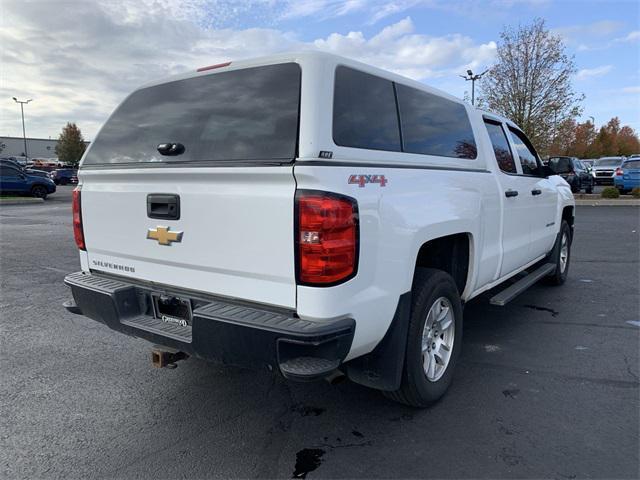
x: 39, y: 191
x: 434, y: 339
x: 64, y: 181
x: 562, y: 253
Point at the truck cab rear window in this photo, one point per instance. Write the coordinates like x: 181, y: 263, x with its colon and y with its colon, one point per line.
x: 248, y: 114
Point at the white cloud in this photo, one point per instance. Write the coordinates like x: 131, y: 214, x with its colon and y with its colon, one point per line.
x: 593, y: 72
x: 578, y: 33
x: 79, y: 71
x: 418, y: 56
x: 633, y: 36
x: 633, y: 90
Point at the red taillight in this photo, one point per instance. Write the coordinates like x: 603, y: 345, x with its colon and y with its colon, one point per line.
x: 211, y: 67
x: 619, y: 171
x: 78, y: 234
x: 326, y: 237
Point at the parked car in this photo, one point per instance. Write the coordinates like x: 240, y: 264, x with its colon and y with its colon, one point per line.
x: 22, y: 161
x: 576, y: 174
x: 64, y: 176
x: 16, y: 180
x: 39, y: 173
x: 9, y: 161
x: 291, y: 228
x: 605, y: 168
x: 588, y: 162
x: 627, y: 175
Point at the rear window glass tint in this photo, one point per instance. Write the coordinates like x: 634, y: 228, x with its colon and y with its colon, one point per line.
x: 632, y: 165
x: 501, y: 148
x: 248, y: 114
x: 433, y: 125
x: 364, y: 111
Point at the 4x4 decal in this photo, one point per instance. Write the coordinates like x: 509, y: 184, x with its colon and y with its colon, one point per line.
x: 362, y: 180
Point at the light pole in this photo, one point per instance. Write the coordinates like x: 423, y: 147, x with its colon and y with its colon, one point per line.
x: 473, y: 78
x: 593, y: 120
x: 24, y: 134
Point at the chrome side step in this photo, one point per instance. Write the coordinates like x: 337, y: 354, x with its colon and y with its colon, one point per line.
x: 511, y: 292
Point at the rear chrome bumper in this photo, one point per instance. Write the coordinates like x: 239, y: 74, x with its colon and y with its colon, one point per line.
x: 227, y: 331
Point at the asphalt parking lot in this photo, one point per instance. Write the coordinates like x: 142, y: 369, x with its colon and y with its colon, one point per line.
x: 547, y: 386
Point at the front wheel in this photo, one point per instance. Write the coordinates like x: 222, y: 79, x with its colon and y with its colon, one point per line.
x: 39, y: 191
x: 562, y: 253
x: 434, y: 339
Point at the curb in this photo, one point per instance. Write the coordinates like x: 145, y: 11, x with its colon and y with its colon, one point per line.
x: 608, y: 202
x: 20, y: 201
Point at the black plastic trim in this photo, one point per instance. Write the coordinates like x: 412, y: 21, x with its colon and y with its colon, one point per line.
x: 194, y: 164
x: 246, y: 335
x: 339, y: 163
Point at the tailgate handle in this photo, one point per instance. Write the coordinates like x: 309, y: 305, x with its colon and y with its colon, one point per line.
x: 163, y: 205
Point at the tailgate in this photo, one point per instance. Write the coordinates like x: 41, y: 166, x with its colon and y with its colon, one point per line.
x: 236, y: 224
x: 219, y: 144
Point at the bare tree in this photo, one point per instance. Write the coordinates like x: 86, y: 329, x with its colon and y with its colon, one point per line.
x: 531, y: 82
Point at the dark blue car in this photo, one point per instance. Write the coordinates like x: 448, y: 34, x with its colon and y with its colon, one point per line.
x: 64, y: 176
x: 15, y: 180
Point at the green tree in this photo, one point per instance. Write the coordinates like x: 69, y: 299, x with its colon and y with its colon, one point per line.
x: 531, y: 83
x: 70, y: 146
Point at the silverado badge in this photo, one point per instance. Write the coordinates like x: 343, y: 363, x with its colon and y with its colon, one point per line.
x: 163, y: 235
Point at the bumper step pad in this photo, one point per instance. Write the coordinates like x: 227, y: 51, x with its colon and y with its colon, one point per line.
x: 301, y: 368
x: 153, y: 325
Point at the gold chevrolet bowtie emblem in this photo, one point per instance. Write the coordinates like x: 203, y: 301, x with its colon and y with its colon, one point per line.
x: 163, y: 235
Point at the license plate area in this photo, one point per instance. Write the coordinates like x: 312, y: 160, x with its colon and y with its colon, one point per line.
x: 172, y: 310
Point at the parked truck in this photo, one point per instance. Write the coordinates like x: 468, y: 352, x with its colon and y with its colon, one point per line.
x: 312, y: 216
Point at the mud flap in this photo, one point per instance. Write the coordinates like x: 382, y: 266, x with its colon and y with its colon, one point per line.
x: 382, y: 368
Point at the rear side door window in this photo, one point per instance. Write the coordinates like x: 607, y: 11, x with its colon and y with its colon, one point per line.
x: 526, y: 152
x: 364, y: 111
x: 501, y: 147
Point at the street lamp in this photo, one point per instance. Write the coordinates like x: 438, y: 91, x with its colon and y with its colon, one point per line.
x: 473, y: 78
x: 24, y: 135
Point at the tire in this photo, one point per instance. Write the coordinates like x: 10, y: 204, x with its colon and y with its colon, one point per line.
x: 559, y: 276
x: 425, y: 380
x: 64, y: 181
x: 39, y: 191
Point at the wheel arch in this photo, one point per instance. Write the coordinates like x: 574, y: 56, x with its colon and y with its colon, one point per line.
x: 452, y: 253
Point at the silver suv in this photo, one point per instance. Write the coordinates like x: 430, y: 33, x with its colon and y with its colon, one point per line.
x: 605, y: 168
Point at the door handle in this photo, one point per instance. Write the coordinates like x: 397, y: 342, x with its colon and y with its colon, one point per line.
x: 536, y: 192
x: 511, y: 193
x: 163, y: 206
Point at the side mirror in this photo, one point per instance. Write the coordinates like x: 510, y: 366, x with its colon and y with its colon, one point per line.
x: 546, y: 171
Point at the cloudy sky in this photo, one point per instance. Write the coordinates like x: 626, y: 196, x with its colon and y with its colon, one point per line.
x: 78, y: 59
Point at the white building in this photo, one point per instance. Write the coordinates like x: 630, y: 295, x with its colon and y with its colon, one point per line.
x: 36, y: 147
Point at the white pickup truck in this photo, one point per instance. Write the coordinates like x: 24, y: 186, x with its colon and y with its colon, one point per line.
x: 313, y: 216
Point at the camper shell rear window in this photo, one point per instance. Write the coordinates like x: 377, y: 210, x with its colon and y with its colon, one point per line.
x: 241, y: 115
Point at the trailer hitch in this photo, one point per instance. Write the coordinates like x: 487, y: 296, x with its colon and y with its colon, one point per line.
x: 162, y: 357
